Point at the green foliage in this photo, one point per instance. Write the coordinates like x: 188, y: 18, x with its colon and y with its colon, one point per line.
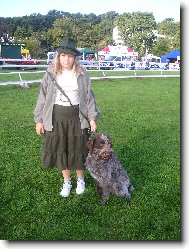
x: 35, y: 47
x: 136, y: 29
x: 142, y: 117
x: 175, y: 42
x: 172, y: 31
x: 161, y: 47
x: 62, y: 27
x: 168, y: 28
x: 93, y: 31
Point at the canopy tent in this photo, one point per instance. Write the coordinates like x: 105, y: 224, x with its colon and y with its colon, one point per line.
x: 172, y: 56
x: 119, y: 49
x: 106, y: 49
x: 25, y: 52
x: 11, y: 51
x: 87, y: 51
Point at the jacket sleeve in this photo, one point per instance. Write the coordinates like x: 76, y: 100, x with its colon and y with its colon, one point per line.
x: 38, y: 111
x: 92, y: 108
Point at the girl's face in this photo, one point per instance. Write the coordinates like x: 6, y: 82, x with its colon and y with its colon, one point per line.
x: 67, y: 61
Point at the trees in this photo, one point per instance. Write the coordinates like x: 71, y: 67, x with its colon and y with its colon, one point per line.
x: 35, y: 47
x: 64, y: 26
x: 136, y: 29
x: 93, y: 31
x: 168, y: 27
x: 172, y: 31
x: 161, y: 47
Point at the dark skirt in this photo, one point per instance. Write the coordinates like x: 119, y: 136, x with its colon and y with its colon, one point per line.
x: 65, y: 146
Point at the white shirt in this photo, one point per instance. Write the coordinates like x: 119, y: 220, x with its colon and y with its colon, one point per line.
x: 68, y: 82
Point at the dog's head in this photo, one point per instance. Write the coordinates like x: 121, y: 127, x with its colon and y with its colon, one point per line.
x: 100, y: 145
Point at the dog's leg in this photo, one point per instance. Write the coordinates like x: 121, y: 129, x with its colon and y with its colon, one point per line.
x: 128, y: 198
x: 128, y: 195
x: 105, y: 195
x: 98, y: 189
x: 131, y: 188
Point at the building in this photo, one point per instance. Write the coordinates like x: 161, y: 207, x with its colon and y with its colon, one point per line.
x: 118, y: 40
x: 155, y: 32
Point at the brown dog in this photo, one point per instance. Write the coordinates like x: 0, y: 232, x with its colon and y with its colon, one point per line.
x: 105, y: 168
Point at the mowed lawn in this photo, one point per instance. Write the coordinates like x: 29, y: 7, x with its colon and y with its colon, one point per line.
x: 143, y: 118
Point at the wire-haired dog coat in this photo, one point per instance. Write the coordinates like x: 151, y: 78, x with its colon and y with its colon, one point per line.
x: 105, y: 168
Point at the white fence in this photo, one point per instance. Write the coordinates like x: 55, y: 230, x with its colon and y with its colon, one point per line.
x: 102, y: 67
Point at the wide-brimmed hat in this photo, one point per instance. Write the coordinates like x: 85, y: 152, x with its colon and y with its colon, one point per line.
x: 68, y: 46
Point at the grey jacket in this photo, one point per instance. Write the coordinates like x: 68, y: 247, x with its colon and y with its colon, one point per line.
x: 44, y: 107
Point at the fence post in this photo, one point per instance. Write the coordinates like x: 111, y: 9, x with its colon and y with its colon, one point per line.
x: 23, y: 84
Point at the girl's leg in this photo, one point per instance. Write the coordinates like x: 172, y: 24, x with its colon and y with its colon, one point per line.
x: 65, y: 192
x: 80, y: 173
x: 80, y: 182
x: 66, y: 174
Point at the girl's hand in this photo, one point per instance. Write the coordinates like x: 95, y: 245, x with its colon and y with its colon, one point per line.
x: 39, y: 129
x: 93, y: 125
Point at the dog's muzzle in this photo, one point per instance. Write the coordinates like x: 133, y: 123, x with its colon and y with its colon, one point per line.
x: 105, y: 155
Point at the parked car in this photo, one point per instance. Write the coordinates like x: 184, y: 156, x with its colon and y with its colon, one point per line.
x: 32, y: 63
x: 106, y: 65
x: 89, y: 64
x: 19, y: 62
x: 154, y: 67
x: 166, y: 67
x: 118, y: 61
x: 132, y: 66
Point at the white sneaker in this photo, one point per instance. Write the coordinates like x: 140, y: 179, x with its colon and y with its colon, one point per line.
x: 80, y: 187
x: 65, y: 192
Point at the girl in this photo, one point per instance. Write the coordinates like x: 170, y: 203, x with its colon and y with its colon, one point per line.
x: 64, y: 120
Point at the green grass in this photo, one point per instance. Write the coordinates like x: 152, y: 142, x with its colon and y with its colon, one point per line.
x: 14, y: 76
x: 142, y: 117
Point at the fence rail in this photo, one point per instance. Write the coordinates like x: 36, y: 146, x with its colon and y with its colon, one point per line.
x: 95, y: 69
x: 25, y: 82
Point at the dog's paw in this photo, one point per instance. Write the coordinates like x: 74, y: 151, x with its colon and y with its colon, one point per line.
x: 99, y: 192
x: 102, y: 202
x: 128, y: 199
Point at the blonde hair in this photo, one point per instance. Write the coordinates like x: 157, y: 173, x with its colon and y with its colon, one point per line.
x: 57, y: 68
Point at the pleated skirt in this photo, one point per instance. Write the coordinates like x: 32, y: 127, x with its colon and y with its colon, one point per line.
x: 65, y: 146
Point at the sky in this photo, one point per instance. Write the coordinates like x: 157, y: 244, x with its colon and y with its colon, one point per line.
x: 161, y: 9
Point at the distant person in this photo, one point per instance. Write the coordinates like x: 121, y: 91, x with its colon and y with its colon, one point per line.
x: 148, y: 63
x: 65, y: 121
x: 167, y: 64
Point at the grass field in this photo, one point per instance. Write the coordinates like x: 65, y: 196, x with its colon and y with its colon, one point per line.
x: 143, y: 118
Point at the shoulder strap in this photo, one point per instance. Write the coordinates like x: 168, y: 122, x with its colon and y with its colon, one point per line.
x: 61, y: 90
x: 58, y: 86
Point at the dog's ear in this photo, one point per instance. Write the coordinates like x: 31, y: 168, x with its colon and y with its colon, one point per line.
x: 109, y: 140
x: 90, y: 144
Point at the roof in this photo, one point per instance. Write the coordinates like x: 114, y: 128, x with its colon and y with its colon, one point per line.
x: 172, y: 55
x: 86, y: 50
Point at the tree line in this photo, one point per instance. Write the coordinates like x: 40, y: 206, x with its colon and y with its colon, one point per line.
x: 43, y: 33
